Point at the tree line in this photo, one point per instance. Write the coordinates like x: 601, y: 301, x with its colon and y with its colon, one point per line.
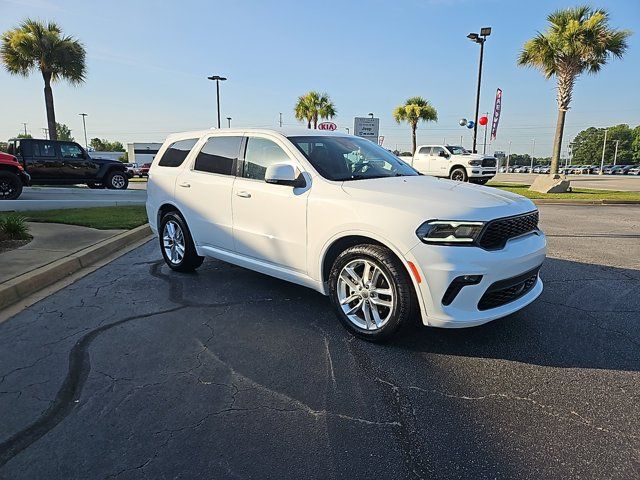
x: 586, y: 147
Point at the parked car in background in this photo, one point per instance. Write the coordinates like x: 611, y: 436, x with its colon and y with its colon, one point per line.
x: 50, y: 162
x: 132, y: 169
x: 343, y: 216
x: 545, y: 169
x: 12, y: 177
x: 621, y: 169
x: 634, y: 170
x: 607, y: 169
x: 144, y: 170
x: 454, y: 162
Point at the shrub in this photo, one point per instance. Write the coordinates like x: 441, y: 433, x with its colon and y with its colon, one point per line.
x: 14, y: 227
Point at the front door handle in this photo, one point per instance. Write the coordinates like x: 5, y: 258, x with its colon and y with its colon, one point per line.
x: 243, y: 194
x: 185, y: 185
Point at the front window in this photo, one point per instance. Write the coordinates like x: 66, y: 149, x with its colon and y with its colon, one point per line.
x: 455, y: 150
x: 349, y: 158
x: 69, y: 150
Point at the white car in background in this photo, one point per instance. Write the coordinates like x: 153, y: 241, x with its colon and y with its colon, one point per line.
x: 345, y: 217
x: 456, y: 163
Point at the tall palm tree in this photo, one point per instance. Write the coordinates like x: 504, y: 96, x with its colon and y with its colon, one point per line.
x: 35, y: 45
x: 414, y: 110
x: 577, y: 40
x: 313, y: 106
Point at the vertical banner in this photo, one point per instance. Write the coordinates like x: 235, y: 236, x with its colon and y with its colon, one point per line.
x: 496, y: 114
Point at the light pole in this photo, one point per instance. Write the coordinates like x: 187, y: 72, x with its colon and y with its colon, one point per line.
x: 280, y: 119
x: 25, y: 128
x: 347, y: 129
x: 478, y: 38
x: 533, y: 151
x: 604, y: 146
x: 484, y: 145
x: 46, y: 133
x: 615, y: 155
x: 229, y: 120
x: 506, y: 170
x: 84, y: 125
x: 371, y: 115
x: 217, y: 79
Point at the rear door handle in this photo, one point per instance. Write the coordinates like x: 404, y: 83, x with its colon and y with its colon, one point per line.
x: 185, y: 185
x: 243, y: 194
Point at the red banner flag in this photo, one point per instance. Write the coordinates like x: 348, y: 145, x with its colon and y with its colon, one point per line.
x: 496, y: 114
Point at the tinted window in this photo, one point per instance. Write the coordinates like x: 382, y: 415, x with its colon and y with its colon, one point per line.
x: 436, y: 151
x: 219, y: 155
x: 69, y: 150
x: 177, y: 152
x: 350, y: 158
x: 425, y: 150
x: 259, y: 155
x: 44, y: 149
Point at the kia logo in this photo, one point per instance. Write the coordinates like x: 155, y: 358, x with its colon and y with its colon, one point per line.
x: 327, y: 126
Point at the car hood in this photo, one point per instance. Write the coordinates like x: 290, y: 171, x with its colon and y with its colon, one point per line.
x: 472, y: 156
x: 432, y: 198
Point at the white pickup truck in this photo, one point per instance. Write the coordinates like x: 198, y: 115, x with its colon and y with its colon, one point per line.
x: 454, y: 162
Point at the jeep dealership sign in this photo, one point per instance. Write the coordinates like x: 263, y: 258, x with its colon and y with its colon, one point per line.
x: 367, y: 127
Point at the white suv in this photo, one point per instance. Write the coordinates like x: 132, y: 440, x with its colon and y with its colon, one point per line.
x: 343, y: 216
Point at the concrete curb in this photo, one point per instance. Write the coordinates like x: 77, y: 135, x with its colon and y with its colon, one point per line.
x: 578, y: 201
x: 24, y: 285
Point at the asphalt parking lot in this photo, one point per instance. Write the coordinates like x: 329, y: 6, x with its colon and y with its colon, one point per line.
x: 138, y: 371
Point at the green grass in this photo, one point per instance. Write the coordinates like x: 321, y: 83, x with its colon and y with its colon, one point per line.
x: 576, y: 194
x: 102, y: 218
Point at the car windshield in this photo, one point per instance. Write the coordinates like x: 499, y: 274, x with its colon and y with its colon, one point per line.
x: 350, y: 158
x: 455, y: 150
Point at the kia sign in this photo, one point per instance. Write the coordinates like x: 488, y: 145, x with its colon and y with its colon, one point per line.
x: 367, y: 127
x: 327, y: 126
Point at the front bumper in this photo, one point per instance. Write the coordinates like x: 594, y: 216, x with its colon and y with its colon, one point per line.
x: 439, y: 265
x: 480, y: 172
x: 26, y: 178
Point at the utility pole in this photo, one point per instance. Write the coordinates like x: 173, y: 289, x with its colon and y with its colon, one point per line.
x: 615, y: 155
x: 280, y: 119
x: 25, y: 128
x: 84, y: 125
x: 217, y: 79
x: 604, y: 145
x: 533, y: 150
x: 229, y: 121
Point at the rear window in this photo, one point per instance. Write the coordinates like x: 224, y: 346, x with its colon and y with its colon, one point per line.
x: 219, y: 155
x: 177, y: 152
x: 44, y: 149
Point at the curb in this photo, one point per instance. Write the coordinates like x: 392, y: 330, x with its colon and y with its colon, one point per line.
x: 578, y: 201
x: 28, y: 283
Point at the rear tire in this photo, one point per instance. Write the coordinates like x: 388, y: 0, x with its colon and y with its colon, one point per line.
x: 116, y: 180
x: 371, y: 292
x: 10, y: 186
x: 177, y: 247
x: 458, y: 174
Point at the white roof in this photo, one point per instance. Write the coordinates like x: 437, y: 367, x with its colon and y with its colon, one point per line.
x: 286, y: 131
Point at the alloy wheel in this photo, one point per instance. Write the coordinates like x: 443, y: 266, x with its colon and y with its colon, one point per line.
x: 6, y: 188
x: 365, y: 294
x: 173, y: 242
x: 117, y: 181
x: 457, y: 175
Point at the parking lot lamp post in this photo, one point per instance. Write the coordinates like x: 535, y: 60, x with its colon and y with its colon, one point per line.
x: 217, y: 79
x: 25, y: 128
x: 229, y: 122
x: 533, y: 151
x: 604, y: 146
x: 280, y: 119
x: 506, y: 170
x: 347, y: 129
x: 84, y: 126
x: 371, y: 115
x: 615, y: 155
x: 478, y: 38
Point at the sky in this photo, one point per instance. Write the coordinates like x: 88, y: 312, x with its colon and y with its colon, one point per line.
x: 147, y: 63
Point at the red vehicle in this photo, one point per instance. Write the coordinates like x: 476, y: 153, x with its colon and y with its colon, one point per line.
x: 144, y: 170
x: 12, y: 177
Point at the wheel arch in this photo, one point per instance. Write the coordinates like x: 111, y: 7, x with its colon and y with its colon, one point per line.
x: 166, y: 208
x: 457, y: 165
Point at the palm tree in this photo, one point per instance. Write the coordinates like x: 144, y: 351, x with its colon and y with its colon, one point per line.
x: 414, y: 110
x: 34, y: 45
x: 313, y: 105
x: 578, y: 40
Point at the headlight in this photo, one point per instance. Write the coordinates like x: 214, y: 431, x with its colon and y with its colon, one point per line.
x: 449, y: 232
x: 475, y: 163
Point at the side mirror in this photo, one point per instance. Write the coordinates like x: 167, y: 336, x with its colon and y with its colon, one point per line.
x: 284, y: 174
x: 443, y: 154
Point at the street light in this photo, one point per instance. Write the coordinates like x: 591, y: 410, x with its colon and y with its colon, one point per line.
x: 371, y: 115
x: 478, y: 38
x: 84, y: 125
x: 347, y: 129
x: 229, y: 120
x: 217, y: 79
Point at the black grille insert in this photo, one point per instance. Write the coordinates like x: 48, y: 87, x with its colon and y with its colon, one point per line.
x: 497, y: 232
x: 489, y: 162
x: 506, y: 291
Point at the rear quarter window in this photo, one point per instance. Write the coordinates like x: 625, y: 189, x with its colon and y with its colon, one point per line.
x: 177, y: 152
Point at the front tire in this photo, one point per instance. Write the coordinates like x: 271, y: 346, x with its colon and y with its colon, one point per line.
x: 176, y: 244
x: 10, y: 186
x: 458, y: 174
x: 116, y: 180
x: 371, y: 292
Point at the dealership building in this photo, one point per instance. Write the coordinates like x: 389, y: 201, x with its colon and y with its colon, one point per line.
x: 142, y: 153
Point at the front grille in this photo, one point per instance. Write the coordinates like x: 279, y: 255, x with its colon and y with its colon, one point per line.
x: 497, y: 232
x: 506, y: 291
x: 489, y: 162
